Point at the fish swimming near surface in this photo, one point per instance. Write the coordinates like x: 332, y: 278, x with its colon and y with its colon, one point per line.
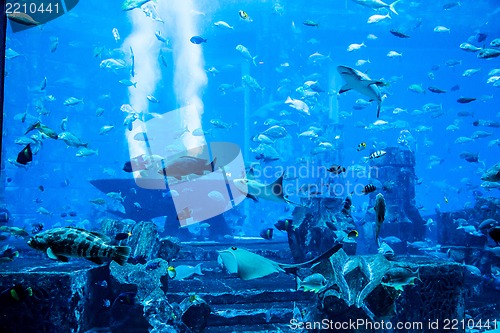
x: 356, y: 80
x: 61, y: 243
x: 380, y: 214
x: 377, y: 4
x: 249, y: 265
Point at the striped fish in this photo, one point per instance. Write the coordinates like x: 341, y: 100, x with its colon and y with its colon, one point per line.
x: 377, y: 154
x: 61, y: 243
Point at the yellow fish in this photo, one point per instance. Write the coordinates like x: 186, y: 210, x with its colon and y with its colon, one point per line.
x: 244, y: 16
x: 361, y: 146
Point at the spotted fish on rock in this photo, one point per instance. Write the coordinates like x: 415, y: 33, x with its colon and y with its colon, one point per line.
x: 61, y: 243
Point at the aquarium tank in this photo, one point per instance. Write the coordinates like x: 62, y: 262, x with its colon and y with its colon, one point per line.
x: 230, y: 166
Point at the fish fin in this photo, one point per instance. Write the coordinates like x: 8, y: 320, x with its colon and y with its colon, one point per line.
x: 54, y: 256
x: 96, y: 260
x: 378, y: 108
x: 299, y: 283
x: 121, y: 254
x: 376, y: 82
x: 344, y: 88
x: 277, y: 186
x: 197, y: 269
x: 392, y: 8
x: 253, y: 197
x: 105, y: 238
x: 253, y: 60
x: 212, y: 164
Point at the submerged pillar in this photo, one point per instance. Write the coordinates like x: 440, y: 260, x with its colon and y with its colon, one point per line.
x: 3, y: 33
x: 394, y: 177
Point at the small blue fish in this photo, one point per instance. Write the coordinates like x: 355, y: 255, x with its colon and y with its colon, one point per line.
x: 197, y: 40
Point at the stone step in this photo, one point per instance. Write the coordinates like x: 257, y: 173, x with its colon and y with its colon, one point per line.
x: 274, y: 250
x: 260, y: 328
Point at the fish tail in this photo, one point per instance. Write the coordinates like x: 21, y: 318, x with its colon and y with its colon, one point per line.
x: 197, y: 269
x: 253, y: 60
x: 121, y: 254
x: 392, y: 8
x: 299, y: 283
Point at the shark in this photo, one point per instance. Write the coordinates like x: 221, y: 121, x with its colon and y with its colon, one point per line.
x: 256, y: 190
x: 356, y: 80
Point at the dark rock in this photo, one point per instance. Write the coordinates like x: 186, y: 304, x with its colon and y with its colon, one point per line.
x: 195, y: 313
x: 112, y: 227
x: 160, y: 314
x: 313, y: 231
x: 59, y: 301
x: 169, y: 247
x: 146, y: 280
x: 144, y: 240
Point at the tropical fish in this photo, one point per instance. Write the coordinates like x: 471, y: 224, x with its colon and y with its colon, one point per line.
x: 284, y: 225
x: 14, y: 231
x: 311, y: 23
x: 131, y: 4
x: 71, y: 140
x: 187, y: 165
x: 72, y: 101
x: 183, y: 271
x: 314, y: 282
x: 197, y: 40
x: 374, y: 155
x: 369, y: 189
x: 244, y: 16
x: 222, y: 24
x: 61, y: 243
x: 25, y: 156
x: 22, y: 18
x: 246, y: 54
x: 377, y: 4
x: 380, y: 214
x: 267, y: 233
x: 465, y: 100
x: 361, y: 146
x: 398, y: 277
x: 492, y: 174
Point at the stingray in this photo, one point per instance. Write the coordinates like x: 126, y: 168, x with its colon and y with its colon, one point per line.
x: 249, y: 265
